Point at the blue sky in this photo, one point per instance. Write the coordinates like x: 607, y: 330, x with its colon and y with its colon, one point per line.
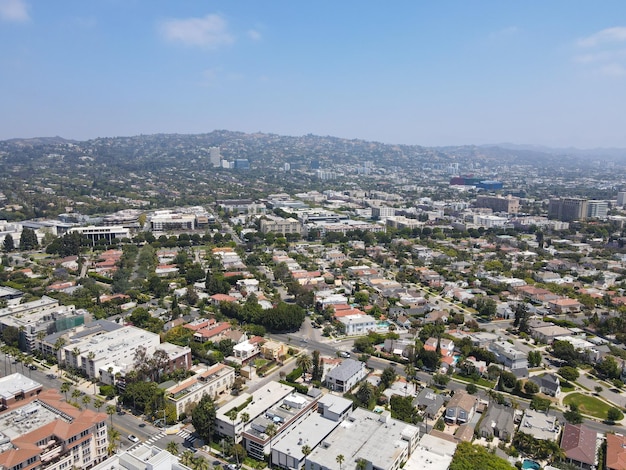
x: 409, y: 72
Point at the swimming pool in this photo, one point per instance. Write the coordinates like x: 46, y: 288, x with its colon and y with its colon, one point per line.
x: 528, y: 464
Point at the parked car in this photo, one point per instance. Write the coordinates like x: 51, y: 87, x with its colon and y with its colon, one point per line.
x: 344, y: 354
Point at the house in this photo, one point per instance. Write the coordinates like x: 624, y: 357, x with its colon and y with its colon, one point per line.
x: 565, y: 305
x: 429, y: 402
x: 346, y: 375
x: 446, y: 346
x: 508, y: 355
x: 436, y: 316
x: 579, y: 443
x: 548, y: 384
x: 550, y: 332
x: 540, y: 425
x: 273, y: 350
x: 615, y: 452
x: 498, y: 422
x: 460, y: 408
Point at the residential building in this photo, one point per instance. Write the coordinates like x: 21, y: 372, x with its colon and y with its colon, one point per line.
x: 142, y: 457
x: 540, y: 425
x: 377, y: 439
x: 280, y: 225
x: 508, y: 355
x: 49, y: 433
x: 95, y: 354
x: 311, y: 430
x: 432, y: 453
x: 460, y: 408
x: 273, y: 350
x: 358, y: 324
x: 346, y: 375
x: 283, y: 415
x: 498, y: 422
x: 254, y: 405
x: 549, y: 384
x: 580, y: 445
x: 615, y: 451
x: 429, y: 402
x: 549, y: 333
x: 213, y: 381
x: 565, y: 305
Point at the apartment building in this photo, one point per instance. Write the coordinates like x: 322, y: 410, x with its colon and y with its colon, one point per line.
x: 509, y: 204
x: 280, y: 225
x: 49, y: 433
x: 213, y: 381
x: 377, y: 439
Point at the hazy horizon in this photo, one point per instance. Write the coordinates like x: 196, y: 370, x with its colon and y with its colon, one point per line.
x: 442, y: 74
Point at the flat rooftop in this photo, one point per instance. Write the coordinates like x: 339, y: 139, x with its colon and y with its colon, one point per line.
x: 15, y: 384
x: 262, y: 399
x: 310, y: 431
x: 432, y: 453
x: 28, y: 418
x: 539, y: 425
x: 366, y: 435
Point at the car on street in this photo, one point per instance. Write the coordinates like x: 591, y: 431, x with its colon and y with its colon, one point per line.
x: 133, y: 438
x: 344, y: 354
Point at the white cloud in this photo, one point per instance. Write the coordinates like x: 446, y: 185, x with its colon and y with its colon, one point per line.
x: 254, y: 35
x: 210, y: 31
x: 605, y: 36
x: 14, y: 10
x: 613, y: 70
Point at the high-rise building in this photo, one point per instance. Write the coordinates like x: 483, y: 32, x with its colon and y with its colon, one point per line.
x: 216, y: 158
x: 568, y: 209
x: 509, y: 204
x: 597, y: 209
x: 621, y: 198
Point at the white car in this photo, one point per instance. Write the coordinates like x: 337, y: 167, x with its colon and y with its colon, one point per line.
x: 344, y: 354
x: 133, y: 438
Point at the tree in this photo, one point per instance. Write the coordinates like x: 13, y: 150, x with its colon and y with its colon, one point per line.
x: 471, y: 388
x: 608, y: 368
x: 271, y: 431
x: 531, y: 387
x: 441, y: 380
x: 8, y: 245
x: 65, y: 387
x: 572, y: 415
x: 569, y: 373
x: 614, y: 414
x: 468, y: 456
x: 304, y: 362
x: 534, y: 358
x: 387, y: 378
x: 365, y: 394
x: 306, y: 450
x: 97, y: 404
x: 172, y: 448
x: 110, y: 410
x: 203, y: 417
x: 28, y: 240
x: 508, y: 381
x: 521, y: 318
x: 430, y: 359
x: 318, y: 369
x: 340, y: 458
x: 114, y: 438
x: 565, y: 351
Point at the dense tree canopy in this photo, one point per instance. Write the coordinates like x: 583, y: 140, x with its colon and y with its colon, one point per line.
x: 468, y: 456
x: 203, y: 417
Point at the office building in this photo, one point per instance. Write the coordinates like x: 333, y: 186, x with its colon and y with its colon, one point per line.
x: 509, y: 204
x: 215, y: 157
x: 597, y: 209
x: 95, y: 234
x: 568, y: 209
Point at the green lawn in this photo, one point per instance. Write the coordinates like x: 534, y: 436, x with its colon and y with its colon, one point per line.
x: 588, y: 405
x: 567, y: 387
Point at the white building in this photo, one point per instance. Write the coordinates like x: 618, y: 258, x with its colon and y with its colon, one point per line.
x: 116, y: 348
x: 95, y: 234
x: 358, y: 324
x: 382, y: 442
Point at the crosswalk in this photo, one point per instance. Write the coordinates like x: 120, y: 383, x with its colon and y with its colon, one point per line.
x: 155, y: 438
x: 189, y: 437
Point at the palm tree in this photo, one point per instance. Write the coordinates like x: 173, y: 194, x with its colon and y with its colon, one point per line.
x: 304, y: 362
x: 340, y: 458
x: 111, y: 411
x: 65, y: 387
x: 75, y: 394
x: 97, y: 404
x: 28, y: 361
x: 361, y: 464
x: 86, y: 400
x: 186, y: 457
x: 114, y: 438
x: 245, y: 417
x: 172, y: 448
x: 199, y: 463
x: 271, y: 431
x: 306, y: 450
